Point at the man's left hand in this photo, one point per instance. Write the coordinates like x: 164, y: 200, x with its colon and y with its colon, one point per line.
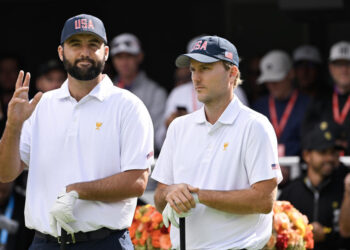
x: 62, y: 212
x: 169, y: 214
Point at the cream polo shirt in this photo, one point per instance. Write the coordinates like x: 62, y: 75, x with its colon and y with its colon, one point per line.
x: 64, y: 141
x: 239, y: 150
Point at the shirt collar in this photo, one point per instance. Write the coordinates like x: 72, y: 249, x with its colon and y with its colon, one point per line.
x: 227, y: 117
x: 100, y: 91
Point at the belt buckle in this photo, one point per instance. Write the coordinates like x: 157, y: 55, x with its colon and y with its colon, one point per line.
x: 68, y: 242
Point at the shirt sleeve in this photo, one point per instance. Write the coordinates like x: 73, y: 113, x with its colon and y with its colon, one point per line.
x: 136, y: 138
x: 163, y: 170
x: 26, y: 139
x: 261, y: 157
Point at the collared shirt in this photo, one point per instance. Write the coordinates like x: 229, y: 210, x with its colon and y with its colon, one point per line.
x: 64, y: 141
x: 237, y: 151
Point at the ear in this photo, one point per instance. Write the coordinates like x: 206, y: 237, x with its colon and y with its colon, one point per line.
x: 140, y: 57
x: 233, y: 73
x: 106, y: 52
x: 60, y: 52
x: 306, y: 155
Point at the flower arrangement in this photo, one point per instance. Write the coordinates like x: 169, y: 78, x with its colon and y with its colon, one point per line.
x: 291, y: 229
x: 147, y: 231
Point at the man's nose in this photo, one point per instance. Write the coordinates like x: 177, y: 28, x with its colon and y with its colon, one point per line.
x: 195, y: 77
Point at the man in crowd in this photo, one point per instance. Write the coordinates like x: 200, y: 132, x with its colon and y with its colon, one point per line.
x: 308, y: 68
x: 88, y: 146
x: 218, y: 165
x: 127, y: 56
x: 284, y: 105
x: 50, y: 76
x: 9, y: 68
x: 14, y: 234
x: 319, y: 194
x: 334, y: 106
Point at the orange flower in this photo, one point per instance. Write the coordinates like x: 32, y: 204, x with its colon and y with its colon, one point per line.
x: 164, y: 241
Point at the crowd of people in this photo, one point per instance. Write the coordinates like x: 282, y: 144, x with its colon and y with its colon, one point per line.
x: 305, y: 96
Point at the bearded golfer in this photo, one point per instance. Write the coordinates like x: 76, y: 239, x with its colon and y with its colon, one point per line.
x: 88, y: 147
x: 218, y: 166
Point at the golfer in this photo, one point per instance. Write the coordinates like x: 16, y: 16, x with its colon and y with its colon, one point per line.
x: 88, y: 147
x: 218, y: 166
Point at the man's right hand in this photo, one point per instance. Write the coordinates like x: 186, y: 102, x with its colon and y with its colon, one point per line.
x: 19, y: 107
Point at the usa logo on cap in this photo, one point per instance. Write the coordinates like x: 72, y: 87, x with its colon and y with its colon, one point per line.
x: 83, y: 24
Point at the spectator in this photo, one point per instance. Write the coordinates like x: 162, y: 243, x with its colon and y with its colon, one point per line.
x: 9, y: 68
x: 344, y: 218
x: 126, y: 58
x: 250, y: 74
x: 334, y: 106
x: 14, y: 234
x: 284, y: 105
x: 50, y: 76
x: 319, y: 194
x: 307, y: 67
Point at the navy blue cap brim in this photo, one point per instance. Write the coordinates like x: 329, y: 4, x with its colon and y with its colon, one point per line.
x: 185, y: 59
x: 84, y: 32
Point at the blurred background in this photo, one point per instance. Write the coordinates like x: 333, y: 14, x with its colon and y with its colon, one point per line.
x: 31, y: 29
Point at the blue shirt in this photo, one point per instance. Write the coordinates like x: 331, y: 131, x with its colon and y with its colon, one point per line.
x: 291, y: 134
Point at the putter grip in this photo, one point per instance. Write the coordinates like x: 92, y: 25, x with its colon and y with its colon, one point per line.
x: 64, y: 236
x: 182, y: 234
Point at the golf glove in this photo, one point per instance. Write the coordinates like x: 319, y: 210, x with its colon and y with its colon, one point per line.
x: 169, y: 214
x: 61, y: 212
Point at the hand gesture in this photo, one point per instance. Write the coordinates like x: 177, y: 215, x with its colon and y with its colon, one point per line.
x: 19, y: 107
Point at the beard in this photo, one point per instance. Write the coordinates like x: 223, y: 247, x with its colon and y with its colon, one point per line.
x: 83, y: 74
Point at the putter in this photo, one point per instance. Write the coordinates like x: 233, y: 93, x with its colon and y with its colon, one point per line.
x: 64, y: 236
x: 182, y: 234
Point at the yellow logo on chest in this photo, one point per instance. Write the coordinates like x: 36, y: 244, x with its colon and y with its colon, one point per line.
x: 225, y: 146
x: 98, y: 125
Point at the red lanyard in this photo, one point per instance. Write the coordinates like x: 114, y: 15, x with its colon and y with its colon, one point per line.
x: 279, y: 127
x: 340, y: 118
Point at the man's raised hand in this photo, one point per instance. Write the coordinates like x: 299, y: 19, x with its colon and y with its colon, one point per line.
x: 19, y: 108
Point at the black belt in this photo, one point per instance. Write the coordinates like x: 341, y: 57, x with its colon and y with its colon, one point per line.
x: 80, y: 236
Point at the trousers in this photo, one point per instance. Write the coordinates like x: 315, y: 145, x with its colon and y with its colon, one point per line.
x: 117, y: 241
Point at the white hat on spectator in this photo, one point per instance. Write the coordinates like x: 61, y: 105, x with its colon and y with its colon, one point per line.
x: 274, y: 66
x: 307, y: 53
x: 125, y: 43
x: 340, y: 51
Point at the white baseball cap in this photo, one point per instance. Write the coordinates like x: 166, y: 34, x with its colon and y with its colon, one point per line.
x: 125, y: 43
x: 340, y: 51
x: 274, y: 66
x: 307, y: 53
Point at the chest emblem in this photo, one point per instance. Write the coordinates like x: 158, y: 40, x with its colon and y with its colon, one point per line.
x: 225, y: 146
x: 98, y: 125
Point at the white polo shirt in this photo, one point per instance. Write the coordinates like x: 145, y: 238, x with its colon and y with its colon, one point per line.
x: 239, y: 150
x: 64, y: 141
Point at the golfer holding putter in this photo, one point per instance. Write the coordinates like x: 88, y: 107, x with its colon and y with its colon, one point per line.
x: 88, y: 147
x: 218, y: 166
